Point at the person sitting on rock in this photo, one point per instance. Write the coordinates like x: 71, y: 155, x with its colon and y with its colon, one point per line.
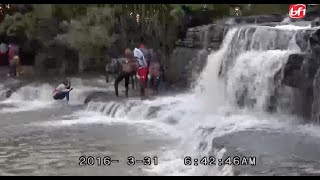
x: 62, y: 91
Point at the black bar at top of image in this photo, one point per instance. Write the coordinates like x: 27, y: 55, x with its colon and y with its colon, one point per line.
x: 160, y: 2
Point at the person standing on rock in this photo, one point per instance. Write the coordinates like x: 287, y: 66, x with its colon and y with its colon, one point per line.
x: 128, y: 69
x: 14, y: 60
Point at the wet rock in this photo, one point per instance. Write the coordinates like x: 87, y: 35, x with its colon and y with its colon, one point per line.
x: 188, y: 58
x: 315, y: 48
x: 172, y: 121
x: 202, y: 146
x: 12, y: 87
x: 254, y: 19
x: 315, y: 22
x: 302, y: 72
x: 152, y: 112
x: 99, y: 96
x: 186, y: 65
x: 316, y: 100
x: 292, y: 71
x: 302, y: 39
x: 8, y: 93
x: 203, y: 37
x: 211, y: 36
x: 311, y: 14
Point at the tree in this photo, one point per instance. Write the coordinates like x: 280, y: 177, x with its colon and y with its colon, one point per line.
x: 157, y: 24
x: 18, y: 25
x: 263, y: 9
x: 91, y: 34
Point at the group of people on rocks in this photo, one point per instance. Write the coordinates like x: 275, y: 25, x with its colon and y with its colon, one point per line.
x: 143, y: 65
x: 11, y: 54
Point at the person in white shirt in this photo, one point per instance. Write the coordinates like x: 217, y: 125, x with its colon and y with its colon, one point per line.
x: 62, y: 91
x: 142, y: 72
x: 140, y: 57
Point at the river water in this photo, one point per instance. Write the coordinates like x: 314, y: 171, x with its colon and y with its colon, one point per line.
x: 39, y: 136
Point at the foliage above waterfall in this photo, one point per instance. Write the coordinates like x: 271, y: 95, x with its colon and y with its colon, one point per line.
x: 19, y: 25
x: 90, y: 33
x: 97, y: 30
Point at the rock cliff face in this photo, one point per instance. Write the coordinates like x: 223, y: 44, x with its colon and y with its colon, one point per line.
x: 190, y: 56
x: 315, y: 49
x: 302, y: 72
x: 185, y: 66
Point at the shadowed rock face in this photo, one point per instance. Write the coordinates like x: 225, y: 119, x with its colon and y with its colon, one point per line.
x: 203, y: 37
x: 315, y: 48
x: 255, y: 19
x: 315, y: 22
x: 185, y: 66
x: 211, y: 36
x: 301, y: 71
x: 11, y: 86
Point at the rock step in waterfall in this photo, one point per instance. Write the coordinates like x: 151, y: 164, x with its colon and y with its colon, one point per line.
x: 293, y: 80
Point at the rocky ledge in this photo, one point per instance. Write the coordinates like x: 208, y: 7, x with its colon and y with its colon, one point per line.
x: 301, y: 71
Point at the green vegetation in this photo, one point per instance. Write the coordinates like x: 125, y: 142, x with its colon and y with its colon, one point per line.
x: 91, y: 29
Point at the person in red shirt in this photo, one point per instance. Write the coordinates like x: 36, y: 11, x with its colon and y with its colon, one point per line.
x: 13, y: 53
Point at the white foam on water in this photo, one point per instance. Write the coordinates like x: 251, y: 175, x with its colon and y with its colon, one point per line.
x: 257, y: 80
x: 211, y: 105
x: 35, y: 96
x: 292, y: 27
x: 88, y: 118
x: 29, y: 98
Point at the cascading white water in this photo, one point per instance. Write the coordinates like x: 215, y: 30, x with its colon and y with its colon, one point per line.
x: 32, y: 93
x: 36, y: 96
x: 210, y: 86
x: 250, y: 57
x: 2, y: 92
x: 256, y: 84
x: 256, y: 55
x: 30, y: 97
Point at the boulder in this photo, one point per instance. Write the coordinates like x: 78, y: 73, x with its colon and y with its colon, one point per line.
x: 315, y: 22
x: 303, y: 73
x: 185, y: 65
x: 315, y: 114
x: 292, y: 75
x: 315, y: 42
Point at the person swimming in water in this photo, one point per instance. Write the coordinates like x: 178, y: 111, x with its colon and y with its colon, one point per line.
x: 62, y: 91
